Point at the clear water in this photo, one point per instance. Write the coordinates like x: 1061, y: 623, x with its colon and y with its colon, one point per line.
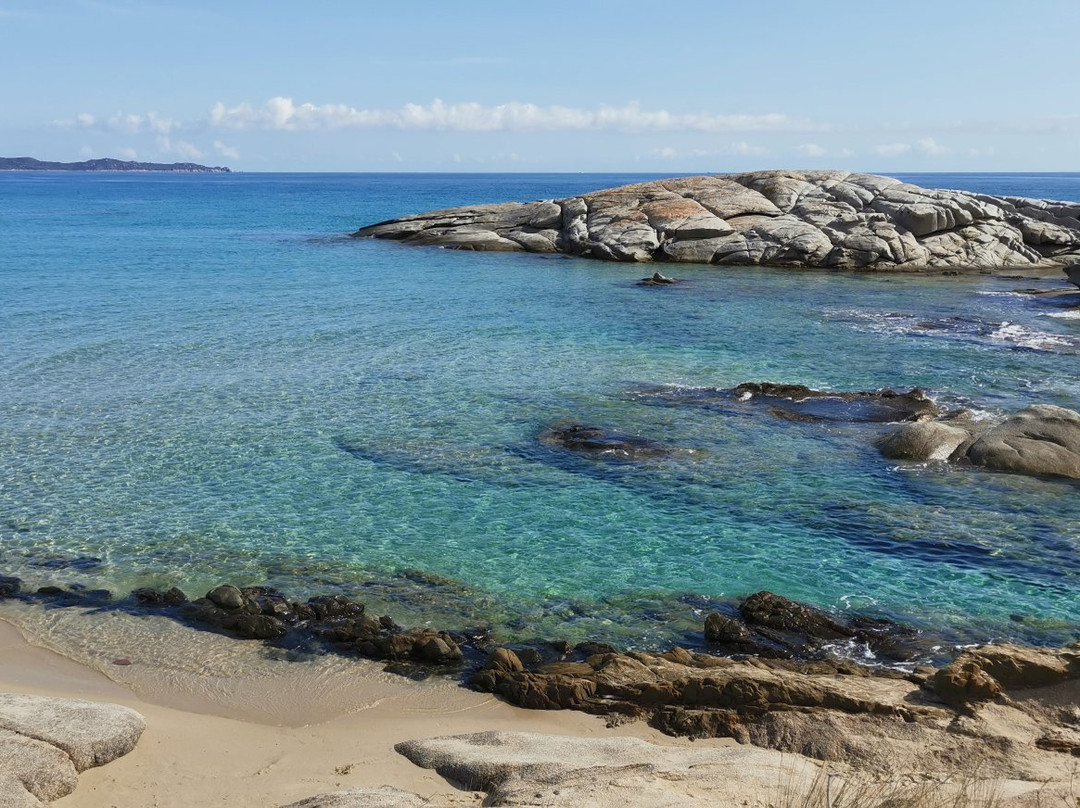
x: 203, y: 379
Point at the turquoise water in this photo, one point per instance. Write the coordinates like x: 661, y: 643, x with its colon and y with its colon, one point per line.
x: 203, y: 379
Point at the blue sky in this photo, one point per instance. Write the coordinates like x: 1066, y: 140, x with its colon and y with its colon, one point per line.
x: 951, y: 85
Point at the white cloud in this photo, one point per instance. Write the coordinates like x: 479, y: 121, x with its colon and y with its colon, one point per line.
x: 282, y: 113
x: 180, y: 148
x: 811, y: 150
x: 892, y: 149
x: 226, y: 151
x: 129, y: 123
x: 397, y: 157
x: 931, y: 147
x: 87, y: 152
x: 744, y: 149
x: 666, y: 153
x: 128, y: 154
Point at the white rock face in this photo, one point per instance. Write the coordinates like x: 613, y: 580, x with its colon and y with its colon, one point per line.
x: 824, y: 219
x: 524, y: 768
x: 381, y: 797
x: 46, y: 742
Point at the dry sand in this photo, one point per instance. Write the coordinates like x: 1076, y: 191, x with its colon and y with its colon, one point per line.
x: 213, y: 743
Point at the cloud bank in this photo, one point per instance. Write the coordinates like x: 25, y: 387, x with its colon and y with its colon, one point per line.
x: 282, y: 113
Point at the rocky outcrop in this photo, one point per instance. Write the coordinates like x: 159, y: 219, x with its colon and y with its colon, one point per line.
x: 826, y: 219
x: 798, y: 402
x: 263, y: 613
x: 46, y: 742
x: 1041, y: 440
x: 379, y: 797
x: 994, y: 706
x: 525, y: 768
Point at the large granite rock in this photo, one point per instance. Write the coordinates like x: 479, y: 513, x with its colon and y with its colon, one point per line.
x: 1041, y: 440
x: 525, y: 768
x: 377, y: 797
x: 828, y: 219
x: 46, y: 742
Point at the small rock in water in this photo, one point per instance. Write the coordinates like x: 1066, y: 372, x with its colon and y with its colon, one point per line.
x: 657, y: 280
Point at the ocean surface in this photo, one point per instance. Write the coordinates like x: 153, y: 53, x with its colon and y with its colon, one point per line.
x: 204, y: 379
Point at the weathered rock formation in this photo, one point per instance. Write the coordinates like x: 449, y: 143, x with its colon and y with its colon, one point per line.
x: 827, y: 219
x: 1041, y: 440
x: 263, y: 613
x: 800, y: 403
x: 995, y: 706
x: 46, y: 742
x: 524, y: 768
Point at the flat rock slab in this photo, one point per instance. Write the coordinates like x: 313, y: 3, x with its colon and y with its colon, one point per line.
x: 381, y: 797
x: 823, y: 219
x: 46, y: 742
x: 524, y: 768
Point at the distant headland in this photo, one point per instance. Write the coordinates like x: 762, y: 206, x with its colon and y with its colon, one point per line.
x: 106, y: 164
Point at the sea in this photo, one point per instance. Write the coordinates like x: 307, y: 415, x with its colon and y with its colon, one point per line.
x: 204, y: 379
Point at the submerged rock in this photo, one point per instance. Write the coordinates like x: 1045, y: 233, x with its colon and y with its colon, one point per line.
x: 800, y: 403
x: 827, y: 219
x: 606, y: 444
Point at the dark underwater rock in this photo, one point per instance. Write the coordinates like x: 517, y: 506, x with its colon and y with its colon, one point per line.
x: 10, y: 586
x: 803, y: 403
x: 606, y: 444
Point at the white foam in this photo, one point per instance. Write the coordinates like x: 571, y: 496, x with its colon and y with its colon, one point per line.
x: 1024, y: 337
x: 1070, y: 314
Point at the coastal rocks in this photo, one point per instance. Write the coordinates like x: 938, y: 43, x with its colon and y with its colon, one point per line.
x: 46, y: 742
x: 606, y: 444
x: 773, y: 611
x: 961, y: 716
x: 519, y: 768
x: 923, y: 441
x: 826, y: 219
x: 263, y: 613
x: 380, y: 797
x: 798, y: 402
x: 802, y: 403
x: 700, y: 694
x: 983, y: 673
x: 1041, y: 440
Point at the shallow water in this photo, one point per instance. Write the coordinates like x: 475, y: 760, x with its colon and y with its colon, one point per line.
x: 203, y: 379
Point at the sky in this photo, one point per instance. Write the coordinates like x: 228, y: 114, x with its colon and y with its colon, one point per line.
x: 628, y: 86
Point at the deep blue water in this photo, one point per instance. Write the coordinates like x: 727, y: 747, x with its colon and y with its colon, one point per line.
x: 203, y: 379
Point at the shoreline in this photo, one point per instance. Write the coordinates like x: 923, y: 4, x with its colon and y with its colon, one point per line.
x: 189, y: 756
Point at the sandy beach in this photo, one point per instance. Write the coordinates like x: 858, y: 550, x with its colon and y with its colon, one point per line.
x: 208, y: 744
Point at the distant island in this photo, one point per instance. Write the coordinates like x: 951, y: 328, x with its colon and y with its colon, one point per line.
x: 105, y: 164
